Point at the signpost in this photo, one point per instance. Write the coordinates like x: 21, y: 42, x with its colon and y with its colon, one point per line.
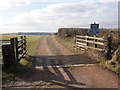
x: 94, y: 28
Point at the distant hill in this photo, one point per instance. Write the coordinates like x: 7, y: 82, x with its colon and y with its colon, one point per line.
x: 34, y: 33
x: 30, y: 33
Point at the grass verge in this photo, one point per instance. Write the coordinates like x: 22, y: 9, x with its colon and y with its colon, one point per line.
x: 109, y: 64
x: 15, y: 73
x: 68, y: 43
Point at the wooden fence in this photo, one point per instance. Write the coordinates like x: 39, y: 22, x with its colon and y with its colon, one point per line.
x: 15, y: 50
x: 96, y: 43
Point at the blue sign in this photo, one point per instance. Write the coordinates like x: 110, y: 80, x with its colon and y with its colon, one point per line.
x: 94, y: 28
x: 94, y: 31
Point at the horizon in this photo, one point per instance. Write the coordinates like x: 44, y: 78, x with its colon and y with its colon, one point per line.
x: 24, y: 32
x: 53, y: 31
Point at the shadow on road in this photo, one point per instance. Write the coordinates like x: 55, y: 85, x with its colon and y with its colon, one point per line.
x: 63, y: 60
x: 54, y: 75
x: 49, y: 71
x: 50, y: 74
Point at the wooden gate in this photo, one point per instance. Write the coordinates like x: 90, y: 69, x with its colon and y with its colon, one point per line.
x: 14, y: 51
x: 96, y: 43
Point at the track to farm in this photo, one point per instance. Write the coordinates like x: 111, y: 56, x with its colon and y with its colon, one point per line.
x: 57, y: 67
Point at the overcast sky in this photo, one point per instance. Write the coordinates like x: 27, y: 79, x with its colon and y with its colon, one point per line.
x: 49, y: 15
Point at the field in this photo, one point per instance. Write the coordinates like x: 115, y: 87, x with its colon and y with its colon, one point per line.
x: 31, y: 41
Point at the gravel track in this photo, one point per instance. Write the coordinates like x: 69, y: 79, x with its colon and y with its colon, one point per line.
x: 51, y: 73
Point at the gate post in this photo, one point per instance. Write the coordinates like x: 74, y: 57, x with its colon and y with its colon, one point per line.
x: 109, y: 42
x: 6, y: 54
x: 12, y: 46
x: 16, y: 49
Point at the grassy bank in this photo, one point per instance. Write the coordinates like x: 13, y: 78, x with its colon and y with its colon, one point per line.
x: 23, y: 69
x: 110, y: 65
x: 68, y: 43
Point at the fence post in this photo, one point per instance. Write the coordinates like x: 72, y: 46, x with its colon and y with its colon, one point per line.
x: 25, y: 42
x: 22, y: 43
x: 12, y: 46
x: 86, y: 40
x: 76, y: 42
x: 109, y: 41
x: 16, y: 49
x: 95, y: 40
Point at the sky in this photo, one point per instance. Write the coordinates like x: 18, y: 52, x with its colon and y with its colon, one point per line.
x: 49, y: 15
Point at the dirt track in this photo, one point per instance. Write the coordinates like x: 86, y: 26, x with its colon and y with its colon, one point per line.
x: 60, y: 71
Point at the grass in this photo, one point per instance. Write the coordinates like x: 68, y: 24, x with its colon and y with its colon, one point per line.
x: 110, y: 66
x: 15, y: 73
x: 23, y: 68
x: 68, y: 43
x: 26, y: 61
x: 32, y: 43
